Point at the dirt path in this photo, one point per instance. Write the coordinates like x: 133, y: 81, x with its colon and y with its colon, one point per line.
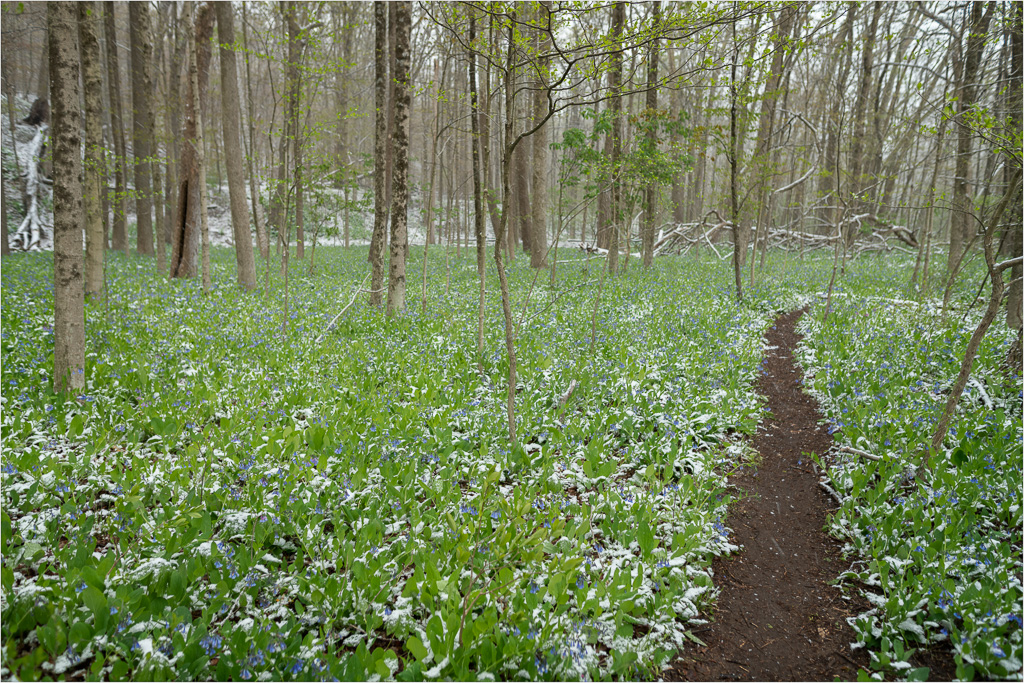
x: 777, y: 617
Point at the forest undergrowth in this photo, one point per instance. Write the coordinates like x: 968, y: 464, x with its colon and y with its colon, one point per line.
x: 233, y: 497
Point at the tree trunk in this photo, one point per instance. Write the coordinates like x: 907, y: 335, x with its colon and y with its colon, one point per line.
x: 967, y: 95
x: 142, y: 123
x: 761, y: 163
x: 857, y: 181
x: 5, y: 247
x: 485, y: 144
x: 295, y: 121
x: 506, y: 187
x: 739, y: 231
x: 92, y: 82
x: 524, y: 213
x: 119, y: 239
x: 197, y: 107
x: 615, y: 91
x: 539, y: 219
x: 651, y: 195
x: 231, y: 116
x: 254, y: 195
x: 478, y: 193
x: 380, y: 15
x: 1015, y: 295
x: 400, y: 190
x: 998, y: 287
x: 186, y: 234
x: 68, y: 284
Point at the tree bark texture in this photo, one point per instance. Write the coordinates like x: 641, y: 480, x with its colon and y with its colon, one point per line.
x: 295, y: 120
x: 186, y: 233
x: 68, y: 280
x: 539, y: 219
x: 232, y: 122
x: 651, y: 194
x: 118, y: 230
x: 92, y: 81
x: 399, y: 186
x: 967, y: 95
x: 380, y: 16
x: 142, y: 122
x: 615, y: 88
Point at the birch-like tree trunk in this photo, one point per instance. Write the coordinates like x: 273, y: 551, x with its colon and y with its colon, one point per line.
x: 68, y: 281
x: 615, y: 88
x: 232, y: 121
x: 295, y: 120
x: 399, y: 186
x: 380, y: 22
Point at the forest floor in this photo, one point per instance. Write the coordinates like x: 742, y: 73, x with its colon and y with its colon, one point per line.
x: 780, y: 616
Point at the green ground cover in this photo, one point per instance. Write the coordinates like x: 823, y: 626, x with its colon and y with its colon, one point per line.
x: 232, y: 499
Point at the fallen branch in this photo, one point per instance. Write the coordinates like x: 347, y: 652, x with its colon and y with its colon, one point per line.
x: 355, y: 295
x: 857, y: 451
x: 831, y: 492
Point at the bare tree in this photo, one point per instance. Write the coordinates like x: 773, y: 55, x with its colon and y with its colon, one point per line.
x: 68, y: 281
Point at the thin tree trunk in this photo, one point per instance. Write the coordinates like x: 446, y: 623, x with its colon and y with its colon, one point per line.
x: 118, y: 229
x: 433, y: 174
x: 651, y: 195
x: 615, y: 88
x: 739, y: 231
x: 994, y: 302
x: 254, y: 196
x: 193, y: 71
x: 506, y: 186
x: 295, y: 122
x: 68, y: 284
x: 478, y: 199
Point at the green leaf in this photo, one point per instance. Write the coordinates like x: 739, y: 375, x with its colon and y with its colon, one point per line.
x: 415, y: 646
x: 645, y: 537
x: 96, y: 601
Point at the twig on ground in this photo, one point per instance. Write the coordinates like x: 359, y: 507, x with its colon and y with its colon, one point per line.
x: 857, y: 451
x: 831, y: 492
x: 355, y: 294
